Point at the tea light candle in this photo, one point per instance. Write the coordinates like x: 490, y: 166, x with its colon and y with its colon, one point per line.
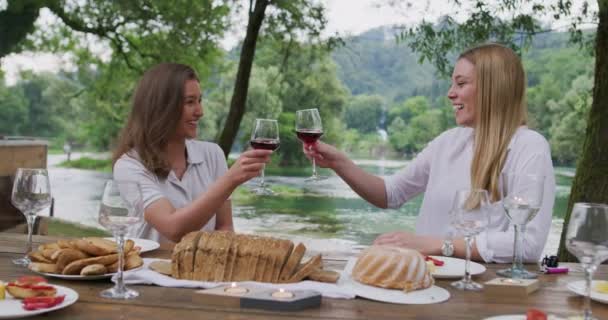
x: 282, y: 294
x: 511, y: 281
x: 234, y: 289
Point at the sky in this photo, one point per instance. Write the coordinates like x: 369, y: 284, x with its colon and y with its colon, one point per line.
x: 346, y: 17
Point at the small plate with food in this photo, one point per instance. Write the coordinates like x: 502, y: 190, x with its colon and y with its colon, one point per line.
x: 32, y: 295
x: 532, y: 314
x: 82, y: 259
x: 391, y: 274
x: 453, y: 268
x: 145, y: 245
x: 599, y: 289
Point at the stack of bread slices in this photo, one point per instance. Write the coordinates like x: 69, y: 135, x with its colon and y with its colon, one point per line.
x: 222, y: 256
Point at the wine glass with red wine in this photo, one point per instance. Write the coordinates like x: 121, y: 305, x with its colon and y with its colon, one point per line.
x: 265, y: 136
x: 309, y: 129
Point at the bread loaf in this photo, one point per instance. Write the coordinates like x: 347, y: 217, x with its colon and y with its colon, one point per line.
x: 392, y: 268
x: 226, y: 256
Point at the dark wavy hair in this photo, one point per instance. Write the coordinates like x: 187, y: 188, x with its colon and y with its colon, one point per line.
x: 157, y: 109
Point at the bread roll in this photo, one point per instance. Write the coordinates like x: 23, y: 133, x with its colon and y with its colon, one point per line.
x: 392, y: 268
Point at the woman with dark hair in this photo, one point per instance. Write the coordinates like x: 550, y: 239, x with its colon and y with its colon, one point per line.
x: 185, y: 183
x: 488, y: 96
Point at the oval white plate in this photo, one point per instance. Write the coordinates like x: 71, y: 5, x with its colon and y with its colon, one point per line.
x: 434, y: 294
x: 578, y: 287
x: 79, y: 277
x: 453, y: 268
x: 11, y: 308
x: 146, y: 245
x: 75, y: 277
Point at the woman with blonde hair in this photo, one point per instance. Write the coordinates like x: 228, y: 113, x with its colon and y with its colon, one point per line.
x: 488, y: 97
x: 185, y: 183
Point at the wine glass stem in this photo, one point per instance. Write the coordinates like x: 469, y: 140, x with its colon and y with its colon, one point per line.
x: 262, y: 182
x: 467, y: 274
x: 120, y: 240
x: 31, y: 220
x: 588, y: 278
x: 314, y: 168
x: 517, y: 253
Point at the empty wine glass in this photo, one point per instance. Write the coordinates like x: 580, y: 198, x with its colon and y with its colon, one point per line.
x: 121, y: 207
x: 31, y: 193
x: 265, y: 136
x: 469, y: 217
x: 587, y: 239
x: 309, y: 129
x: 522, y: 197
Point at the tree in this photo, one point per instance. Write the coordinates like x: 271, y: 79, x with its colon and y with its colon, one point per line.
x: 364, y: 113
x: 145, y: 32
x: 484, y: 23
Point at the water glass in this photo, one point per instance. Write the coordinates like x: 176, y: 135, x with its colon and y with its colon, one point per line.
x: 31, y: 193
x: 121, y: 207
x: 469, y: 217
x: 522, y: 197
x: 587, y: 239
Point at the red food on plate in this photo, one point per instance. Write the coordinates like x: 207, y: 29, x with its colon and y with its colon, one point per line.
x: 535, y: 314
x: 30, y: 286
x: 35, y: 303
x: 436, y: 262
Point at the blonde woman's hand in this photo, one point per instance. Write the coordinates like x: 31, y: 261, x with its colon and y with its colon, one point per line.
x: 249, y: 165
x: 426, y: 245
x: 325, y: 155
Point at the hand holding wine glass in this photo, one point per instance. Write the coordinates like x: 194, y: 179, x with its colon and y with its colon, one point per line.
x: 121, y: 208
x: 587, y: 239
x: 265, y: 136
x: 31, y: 193
x: 469, y: 216
x: 309, y: 129
x: 522, y: 197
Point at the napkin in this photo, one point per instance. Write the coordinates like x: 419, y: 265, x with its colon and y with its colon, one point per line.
x: 145, y: 275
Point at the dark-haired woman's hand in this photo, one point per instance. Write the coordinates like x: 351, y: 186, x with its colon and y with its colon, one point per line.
x: 249, y: 165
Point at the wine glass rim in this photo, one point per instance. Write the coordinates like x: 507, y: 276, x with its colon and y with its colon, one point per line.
x: 590, y: 204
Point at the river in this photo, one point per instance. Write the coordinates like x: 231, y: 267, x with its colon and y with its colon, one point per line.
x: 329, y: 217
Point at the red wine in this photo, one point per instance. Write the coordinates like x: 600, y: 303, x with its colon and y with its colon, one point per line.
x: 265, y: 144
x: 309, y: 136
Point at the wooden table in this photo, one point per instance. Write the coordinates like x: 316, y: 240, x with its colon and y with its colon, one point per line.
x: 176, y: 303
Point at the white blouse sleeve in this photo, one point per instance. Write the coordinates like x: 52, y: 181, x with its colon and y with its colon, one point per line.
x: 496, y: 245
x: 128, y: 168
x: 411, y: 180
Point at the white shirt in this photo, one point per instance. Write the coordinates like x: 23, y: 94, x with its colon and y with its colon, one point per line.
x: 444, y: 166
x: 205, y: 164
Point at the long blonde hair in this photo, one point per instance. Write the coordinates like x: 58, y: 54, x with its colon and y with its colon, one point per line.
x: 500, y: 110
x: 157, y: 109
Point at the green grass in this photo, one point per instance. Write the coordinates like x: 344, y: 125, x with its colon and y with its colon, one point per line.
x: 89, y: 164
x: 58, y: 227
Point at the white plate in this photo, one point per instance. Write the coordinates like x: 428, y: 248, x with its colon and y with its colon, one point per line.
x: 79, y: 277
x: 75, y: 277
x: 578, y: 287
x: 434, y: 294
x: 146, y: 245
x: 453, y: 268
x: 11, y: 308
